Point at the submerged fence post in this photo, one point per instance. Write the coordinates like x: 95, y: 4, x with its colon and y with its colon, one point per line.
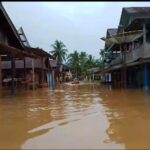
x: 146, y: 86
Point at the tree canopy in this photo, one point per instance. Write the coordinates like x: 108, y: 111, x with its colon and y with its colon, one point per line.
x: 59, y: 50
x: 81, y: 62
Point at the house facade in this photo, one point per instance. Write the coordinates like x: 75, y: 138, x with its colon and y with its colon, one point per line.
x: 127, y: 54
x: 18, y: 58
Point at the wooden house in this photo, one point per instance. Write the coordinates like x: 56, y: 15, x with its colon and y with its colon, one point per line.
x: 11, y: 48
x: 18, y: 57
x: 131, y: 66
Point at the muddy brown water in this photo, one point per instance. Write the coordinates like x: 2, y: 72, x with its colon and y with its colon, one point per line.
x: 75, y: 117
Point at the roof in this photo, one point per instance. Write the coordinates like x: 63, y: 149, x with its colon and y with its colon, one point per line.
x: 134, y: 10
x: 130, y: 13
x: 112, y: 32
x: 11, y: 25
x: 38, y: 51
x: 136, y: 24
x: 6, y: 49
x: 23, y: 37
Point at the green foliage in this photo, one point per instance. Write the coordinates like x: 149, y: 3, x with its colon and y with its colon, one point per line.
x: 59, y: 50
x: 81, y: 62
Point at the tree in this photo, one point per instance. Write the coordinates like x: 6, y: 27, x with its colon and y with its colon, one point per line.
x: 74, y: 61
x: 59, y: 50
x: 81, y: 62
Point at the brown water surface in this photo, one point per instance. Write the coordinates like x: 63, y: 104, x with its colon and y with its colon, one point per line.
x: 81, y: 117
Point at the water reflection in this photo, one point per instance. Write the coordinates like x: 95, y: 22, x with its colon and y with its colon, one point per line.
x: 17, y: 118
x: 98, y: 115
x: 128, y: 112
x: 31, y: 109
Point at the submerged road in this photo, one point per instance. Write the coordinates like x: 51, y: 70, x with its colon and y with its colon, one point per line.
x: 88, y: 116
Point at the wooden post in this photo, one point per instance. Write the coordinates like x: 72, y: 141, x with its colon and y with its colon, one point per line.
x: 146, y: 84
x: 123, y: 76
x: 53, y: 86
x: 93, y: 75
x: 125, y: 70
x: 0, y: 72
x: 144, y: 35
x: 90, y: 77
x: 25, y: 71
x: 33, y: 75
x: 121, y: 70
x: 13, y: 90
x: 42, y: 71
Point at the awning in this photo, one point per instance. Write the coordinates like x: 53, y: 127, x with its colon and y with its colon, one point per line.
x: 124, y: 37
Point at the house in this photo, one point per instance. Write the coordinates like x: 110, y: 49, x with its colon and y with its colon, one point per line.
x: 11, y: 48
x: 131, y: 66
x: 17, y: 53
x: 94, y: 73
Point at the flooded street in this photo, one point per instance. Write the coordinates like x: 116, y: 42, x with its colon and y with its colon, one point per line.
x: 79, y: 117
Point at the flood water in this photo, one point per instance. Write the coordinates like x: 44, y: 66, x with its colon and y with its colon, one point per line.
x: 75, y: 117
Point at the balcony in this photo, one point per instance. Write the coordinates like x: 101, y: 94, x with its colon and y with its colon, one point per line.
x: 117, y: 60
x: 134, y: 54
x: 140, y: 52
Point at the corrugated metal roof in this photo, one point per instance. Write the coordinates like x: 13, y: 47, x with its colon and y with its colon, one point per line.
x: 137, y: 9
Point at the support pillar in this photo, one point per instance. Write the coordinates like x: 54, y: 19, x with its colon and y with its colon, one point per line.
x: 124, y: 70
x: 0, y: 72
x: 13, y: 88
x: 146, y: 84
x: 33, y: 75
x: 42, y: 71
x: 93, y: 76
x: 144, y: 35
x: 53, y: 79
x: 25, y: 71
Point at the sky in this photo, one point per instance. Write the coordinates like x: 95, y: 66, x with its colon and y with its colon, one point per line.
x: 79, y: 25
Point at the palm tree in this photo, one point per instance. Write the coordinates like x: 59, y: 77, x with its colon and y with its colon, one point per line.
x: 59, y: 50
x: 83, y: 62
x: 74, y: 61
x: 90, y: 62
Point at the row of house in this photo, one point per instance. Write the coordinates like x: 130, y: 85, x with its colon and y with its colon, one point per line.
x: 127, y: 50
x: 20, y: 63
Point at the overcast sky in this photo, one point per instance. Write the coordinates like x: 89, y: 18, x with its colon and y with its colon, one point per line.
x: 79, y: 25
